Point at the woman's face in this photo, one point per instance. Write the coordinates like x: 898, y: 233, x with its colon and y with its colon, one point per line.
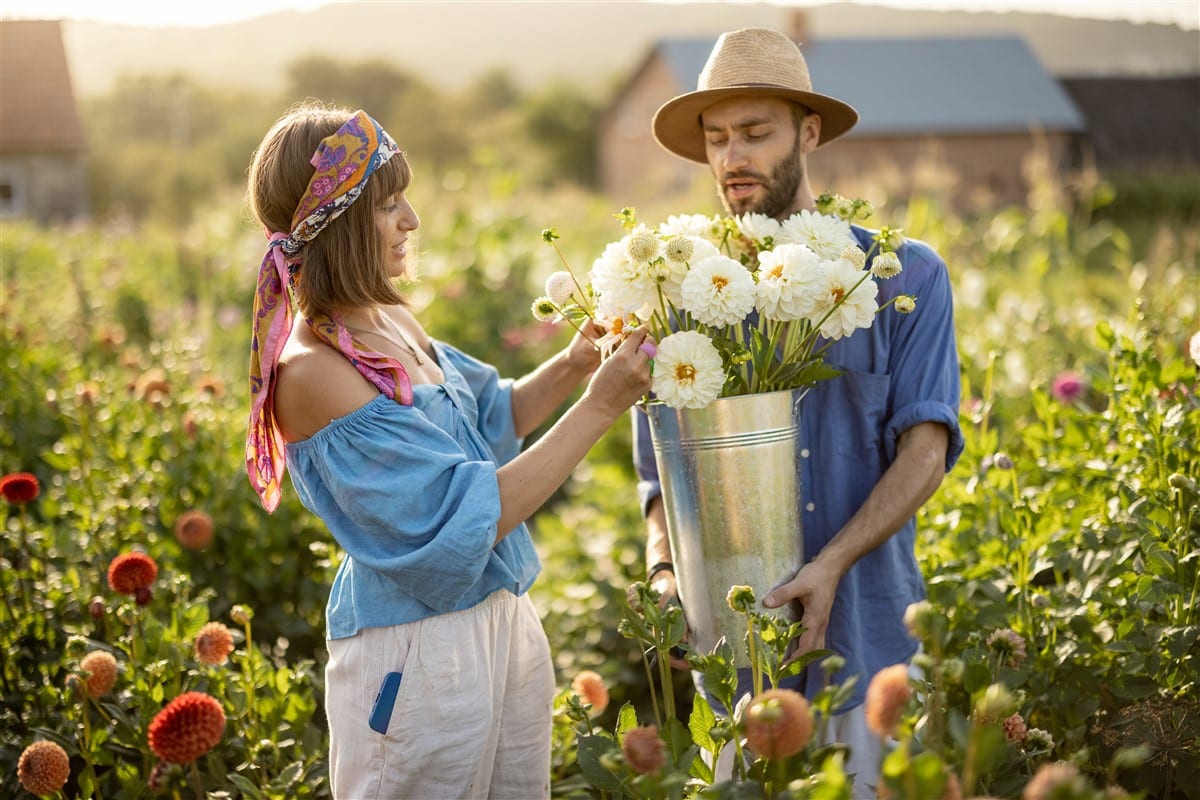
x: 395, y: 219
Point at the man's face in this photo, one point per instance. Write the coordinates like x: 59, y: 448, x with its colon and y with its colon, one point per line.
x: 755, y: 152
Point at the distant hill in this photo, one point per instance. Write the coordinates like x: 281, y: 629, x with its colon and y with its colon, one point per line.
x: 450, y: 44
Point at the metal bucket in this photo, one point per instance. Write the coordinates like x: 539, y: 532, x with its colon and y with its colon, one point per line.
x: 731, y: 491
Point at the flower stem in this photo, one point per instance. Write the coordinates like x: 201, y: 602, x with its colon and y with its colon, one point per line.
x: 196, y: 782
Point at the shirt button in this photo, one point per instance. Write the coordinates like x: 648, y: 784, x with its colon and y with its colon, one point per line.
x: 810, y: 507
x: 804, y: 453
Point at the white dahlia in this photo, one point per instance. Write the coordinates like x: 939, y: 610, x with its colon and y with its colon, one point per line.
x: 824, y: 235
x: 687, y: 370
x: 688, y: 225
x: 855, y: 307
x: 718, y: 291
x: 759, y: 228
x: 790, y: 279
x: 624, y: 285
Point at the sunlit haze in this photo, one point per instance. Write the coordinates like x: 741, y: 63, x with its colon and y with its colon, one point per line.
x: 1185, y: 13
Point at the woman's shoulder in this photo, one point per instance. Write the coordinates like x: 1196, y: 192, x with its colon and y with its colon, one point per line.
x: 314, y: 386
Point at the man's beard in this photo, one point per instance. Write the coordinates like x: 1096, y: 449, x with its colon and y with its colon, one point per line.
x: 781, y: 187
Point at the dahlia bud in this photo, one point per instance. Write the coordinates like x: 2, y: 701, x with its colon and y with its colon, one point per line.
x: 644, y: 749
x: 833, y: 664
x: 97, y: 607
x: 142, y: 596
x: 921, y: 620
x: 952, y: 670
x: 740, y: 598
x: 995, y: 703
x: 241, y: 615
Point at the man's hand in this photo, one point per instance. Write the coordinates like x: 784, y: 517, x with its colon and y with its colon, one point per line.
x: 814, y: 588
x: 664, y: 584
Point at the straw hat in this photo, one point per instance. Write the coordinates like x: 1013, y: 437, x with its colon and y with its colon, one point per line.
x: 751, y: 62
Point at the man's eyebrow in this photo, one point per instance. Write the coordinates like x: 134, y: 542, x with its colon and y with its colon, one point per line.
x: 741, y: 124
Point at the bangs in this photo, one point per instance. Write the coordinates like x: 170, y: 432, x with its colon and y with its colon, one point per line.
x: 391, y: 178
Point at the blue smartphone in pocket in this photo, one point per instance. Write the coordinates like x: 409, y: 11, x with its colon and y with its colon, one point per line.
x: 385, y: 701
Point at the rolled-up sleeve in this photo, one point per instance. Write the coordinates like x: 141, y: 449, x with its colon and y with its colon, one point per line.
x: 648, y: 486
x: 924, y: 362
x: 403, y: 499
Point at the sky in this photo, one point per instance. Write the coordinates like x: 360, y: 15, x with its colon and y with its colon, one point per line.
x: 1185, y: 13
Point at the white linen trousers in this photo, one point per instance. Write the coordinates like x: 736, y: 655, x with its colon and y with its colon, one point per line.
x: 472, y: 717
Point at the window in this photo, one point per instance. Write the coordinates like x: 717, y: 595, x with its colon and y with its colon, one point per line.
x: 12, y: 192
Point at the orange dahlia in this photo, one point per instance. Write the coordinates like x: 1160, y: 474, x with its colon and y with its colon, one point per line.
x: 44, y: 768
x: 101, y: 672
x: 194, y: 529
x: 129, y: 572
x: 887, y: 695
x: 213, y: 644
x: 187, y: 728
x: 644, y: 749
x: 778, y: 723
x: 19, y: 488
x: 591, y: 690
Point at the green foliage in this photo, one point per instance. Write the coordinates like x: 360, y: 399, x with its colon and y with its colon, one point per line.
x: 1069, y: 520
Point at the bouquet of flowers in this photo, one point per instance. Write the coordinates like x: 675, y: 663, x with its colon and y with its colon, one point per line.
x: 738, y: 305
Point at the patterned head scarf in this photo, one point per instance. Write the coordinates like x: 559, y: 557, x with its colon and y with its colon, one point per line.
x: 344, y: 162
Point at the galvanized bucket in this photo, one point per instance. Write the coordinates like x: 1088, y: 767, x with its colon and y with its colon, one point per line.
x: 731, y: 490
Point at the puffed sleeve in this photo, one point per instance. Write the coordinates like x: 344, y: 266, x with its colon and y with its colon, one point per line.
x: 924, y: 361
x: 402, y: 497
x: 493, y: 398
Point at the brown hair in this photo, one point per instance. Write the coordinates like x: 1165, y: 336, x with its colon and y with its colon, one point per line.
x: 344, y: 265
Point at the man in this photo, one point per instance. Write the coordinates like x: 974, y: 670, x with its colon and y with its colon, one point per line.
x: 879, y: 437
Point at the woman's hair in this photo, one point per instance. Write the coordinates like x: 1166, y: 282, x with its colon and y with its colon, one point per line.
x: 344, y: 265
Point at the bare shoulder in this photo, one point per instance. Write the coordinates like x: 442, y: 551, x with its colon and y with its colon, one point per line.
x: 316, y: 385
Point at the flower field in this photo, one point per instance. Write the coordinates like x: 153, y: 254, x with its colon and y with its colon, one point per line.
x: 163, y: 636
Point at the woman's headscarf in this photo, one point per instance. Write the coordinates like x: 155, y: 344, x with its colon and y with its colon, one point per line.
x: 344, y: 163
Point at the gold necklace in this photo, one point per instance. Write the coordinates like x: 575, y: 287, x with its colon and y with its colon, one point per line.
x: 403, y: 343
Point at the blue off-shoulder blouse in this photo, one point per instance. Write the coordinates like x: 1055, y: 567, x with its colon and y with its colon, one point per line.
x: 410, y: 494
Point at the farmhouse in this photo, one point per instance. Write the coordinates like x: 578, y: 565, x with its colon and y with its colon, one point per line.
x: 43, y: 175
x: 963, y: 113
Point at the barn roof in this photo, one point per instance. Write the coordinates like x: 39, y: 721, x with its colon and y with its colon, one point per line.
x: 965, y: 85
x: 37, y: 104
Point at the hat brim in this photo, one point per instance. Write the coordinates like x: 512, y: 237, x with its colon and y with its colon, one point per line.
x: 677, y: 126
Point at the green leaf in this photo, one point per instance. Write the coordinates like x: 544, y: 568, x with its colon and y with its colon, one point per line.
x: 701, y: 722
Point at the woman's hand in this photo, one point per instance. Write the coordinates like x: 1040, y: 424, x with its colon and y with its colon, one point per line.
x: 624, y: 377
x: 582, y: 353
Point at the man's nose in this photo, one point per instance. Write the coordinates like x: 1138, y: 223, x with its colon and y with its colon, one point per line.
x: 734, y: 155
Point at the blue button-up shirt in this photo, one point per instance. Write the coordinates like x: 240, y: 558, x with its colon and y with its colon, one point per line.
x: 901, y: 371
x: 410, y: 493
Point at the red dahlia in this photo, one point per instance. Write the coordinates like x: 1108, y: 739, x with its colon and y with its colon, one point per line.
x: 187, y: 728
x: 19, y: 488
x: 129, y: 572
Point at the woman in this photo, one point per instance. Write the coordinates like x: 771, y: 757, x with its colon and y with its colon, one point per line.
x: 439, y: 682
